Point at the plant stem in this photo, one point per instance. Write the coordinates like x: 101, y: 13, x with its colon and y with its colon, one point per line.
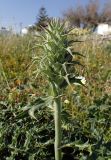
x: 57, y: 118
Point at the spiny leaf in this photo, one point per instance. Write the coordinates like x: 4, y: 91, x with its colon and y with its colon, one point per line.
x: 76, y: 62
x: 77, y: 53
x: 41, y: 103
x: 69, y: 50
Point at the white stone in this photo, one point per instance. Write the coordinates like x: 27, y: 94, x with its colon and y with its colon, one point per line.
x: 24, y: 31
x: 103, y: 29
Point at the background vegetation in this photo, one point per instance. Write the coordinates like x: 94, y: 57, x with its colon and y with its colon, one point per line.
x: 80, y: 15
x: 89, y: 15
x: 86, y: 118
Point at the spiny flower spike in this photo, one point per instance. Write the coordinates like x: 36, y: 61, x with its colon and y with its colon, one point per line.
x: 57, y: 61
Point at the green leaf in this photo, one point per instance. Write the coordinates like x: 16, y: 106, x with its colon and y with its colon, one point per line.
x: 40, y: 103
x: 76, y: 63
x: 69, y: 50
x: 77, y: 53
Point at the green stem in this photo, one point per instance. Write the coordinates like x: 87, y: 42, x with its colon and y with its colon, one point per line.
x: 57, y: 118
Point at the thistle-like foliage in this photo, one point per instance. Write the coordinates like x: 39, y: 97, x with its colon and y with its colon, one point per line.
x: 57, y: 61
x: 58, y: 65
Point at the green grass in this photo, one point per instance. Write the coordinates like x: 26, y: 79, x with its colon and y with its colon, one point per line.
x: 86, y: 120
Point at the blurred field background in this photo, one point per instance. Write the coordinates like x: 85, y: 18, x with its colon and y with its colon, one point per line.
x: 86, y: 117
x: 86, y: 110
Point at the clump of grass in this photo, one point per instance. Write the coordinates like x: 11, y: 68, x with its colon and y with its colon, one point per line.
x: 17, y: 79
